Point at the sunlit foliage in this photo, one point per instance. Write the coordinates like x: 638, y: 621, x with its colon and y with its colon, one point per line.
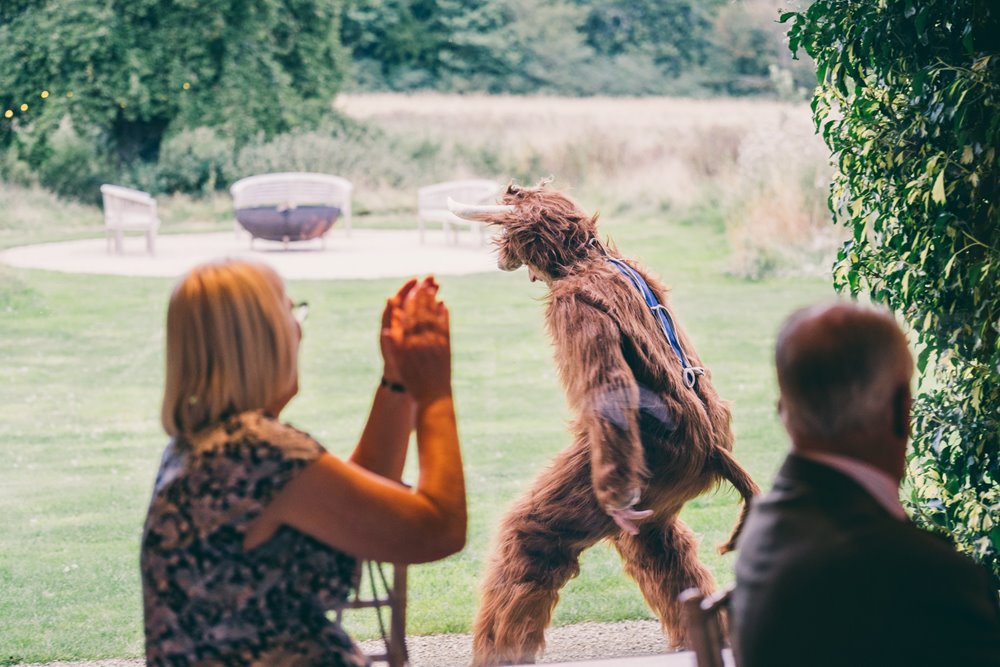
x: 908, y: 99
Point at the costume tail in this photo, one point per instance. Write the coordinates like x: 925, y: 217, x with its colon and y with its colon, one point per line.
x: 730, y: 469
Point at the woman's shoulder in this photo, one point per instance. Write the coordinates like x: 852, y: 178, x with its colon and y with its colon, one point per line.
x: 255, y: 431
x: 291, y: 441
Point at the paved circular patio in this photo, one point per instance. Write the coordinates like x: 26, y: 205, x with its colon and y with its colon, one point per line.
x: 364, y: 254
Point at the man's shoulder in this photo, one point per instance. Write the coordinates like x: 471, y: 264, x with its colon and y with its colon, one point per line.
x: 839, y: 531
x: 851, y: 583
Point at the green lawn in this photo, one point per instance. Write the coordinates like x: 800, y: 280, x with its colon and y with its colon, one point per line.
x: 80, y: 381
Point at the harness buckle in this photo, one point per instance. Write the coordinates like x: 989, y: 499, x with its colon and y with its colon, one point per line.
x: 691, y: 374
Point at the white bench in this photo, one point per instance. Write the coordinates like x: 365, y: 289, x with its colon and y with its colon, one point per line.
x: 128, y: 210
x: 432, y: 205
x: 289, y: 190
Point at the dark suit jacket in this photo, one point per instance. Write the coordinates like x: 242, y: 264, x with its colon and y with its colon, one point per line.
x: 825, y: 576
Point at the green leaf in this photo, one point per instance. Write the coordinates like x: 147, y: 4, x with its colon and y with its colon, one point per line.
x: 923, y: 357
x: 967, y: 40
x: 921, y: 25
x: 951, y: 262
x: 937, y: 192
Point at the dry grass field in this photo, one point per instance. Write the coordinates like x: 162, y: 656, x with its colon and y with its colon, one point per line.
x: 754, y: 165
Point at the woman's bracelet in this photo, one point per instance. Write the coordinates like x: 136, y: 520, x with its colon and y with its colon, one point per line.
x: 392, y: 386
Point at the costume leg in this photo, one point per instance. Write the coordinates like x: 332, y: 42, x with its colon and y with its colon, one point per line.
x: 663, y: 560
x: 536, y: 553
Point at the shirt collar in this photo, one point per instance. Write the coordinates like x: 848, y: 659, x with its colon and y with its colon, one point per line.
x: 878, y: 484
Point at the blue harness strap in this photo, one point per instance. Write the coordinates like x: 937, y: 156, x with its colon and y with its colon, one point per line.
x: 661, y: 313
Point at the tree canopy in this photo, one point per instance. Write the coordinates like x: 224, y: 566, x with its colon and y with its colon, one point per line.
x: 562, y: 46
x: 129, y: 69
x: 90, y: 91
x: 907, y: 102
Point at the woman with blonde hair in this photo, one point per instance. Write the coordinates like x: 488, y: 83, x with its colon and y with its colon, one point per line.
x: 254, y: 529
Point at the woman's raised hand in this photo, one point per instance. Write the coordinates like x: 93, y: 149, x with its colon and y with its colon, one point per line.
x: 393, y: 305
x: 419, y: 341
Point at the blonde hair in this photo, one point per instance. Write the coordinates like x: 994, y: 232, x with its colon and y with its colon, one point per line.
x: 232, y: 345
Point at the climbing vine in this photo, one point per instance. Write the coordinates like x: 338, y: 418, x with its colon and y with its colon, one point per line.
x: 908, y: 102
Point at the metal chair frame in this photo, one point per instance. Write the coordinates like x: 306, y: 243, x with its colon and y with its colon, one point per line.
x: 384, y: 595
x: 702, y: 616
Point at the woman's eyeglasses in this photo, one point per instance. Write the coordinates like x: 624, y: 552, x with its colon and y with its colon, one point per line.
x: 300, y: 311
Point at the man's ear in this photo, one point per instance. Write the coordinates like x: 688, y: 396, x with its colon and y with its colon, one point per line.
x: 782, y: 415
x: 901, y: 402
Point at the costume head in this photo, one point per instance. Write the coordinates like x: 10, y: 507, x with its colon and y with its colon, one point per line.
x: 232, y: 345
x: 540, y: 228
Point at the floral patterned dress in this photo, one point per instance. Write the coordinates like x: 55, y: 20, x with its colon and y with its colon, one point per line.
x: 207, y: 601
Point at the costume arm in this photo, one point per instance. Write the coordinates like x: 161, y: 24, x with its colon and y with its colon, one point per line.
x: 604, y: 393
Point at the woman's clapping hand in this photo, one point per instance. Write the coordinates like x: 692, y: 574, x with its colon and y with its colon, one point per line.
x: 416, y: 342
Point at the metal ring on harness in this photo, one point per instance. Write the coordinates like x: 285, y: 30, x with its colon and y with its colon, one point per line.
x: 691, y: 374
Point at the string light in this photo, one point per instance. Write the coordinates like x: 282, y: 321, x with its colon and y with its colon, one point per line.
x: 69, y: 94
x: 186, y: 86
x: 9, y: 113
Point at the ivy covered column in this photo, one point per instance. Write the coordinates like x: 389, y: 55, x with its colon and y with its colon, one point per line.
x: 908, y: 101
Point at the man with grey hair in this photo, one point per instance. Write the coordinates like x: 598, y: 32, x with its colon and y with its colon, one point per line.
x: 830, y: 570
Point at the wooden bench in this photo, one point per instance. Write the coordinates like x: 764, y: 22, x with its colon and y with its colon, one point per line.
x: 128, y: 210
x: 432, y: 205
x: 288, y: 192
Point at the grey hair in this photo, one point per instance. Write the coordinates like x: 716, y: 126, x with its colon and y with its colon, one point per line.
x: 839, y: 366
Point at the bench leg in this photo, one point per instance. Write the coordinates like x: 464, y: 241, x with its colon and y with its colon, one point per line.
x: 119, y: 242
x: 151, y: 242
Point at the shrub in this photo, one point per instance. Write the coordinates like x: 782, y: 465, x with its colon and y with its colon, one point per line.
x: 362, y: 155
x: 194, y: 161
x: 776, y: 214
x: 72, y: 166
x: 15, y: 170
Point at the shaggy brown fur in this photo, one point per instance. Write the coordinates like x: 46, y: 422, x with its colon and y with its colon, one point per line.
x: 637, y: 426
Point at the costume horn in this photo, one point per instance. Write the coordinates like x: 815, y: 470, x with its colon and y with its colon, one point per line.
x: 477, y: 211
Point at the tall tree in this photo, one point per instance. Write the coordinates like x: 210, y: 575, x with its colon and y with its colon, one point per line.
x: 130, y: 69
x: 676, y: 34
x: 486, y: 45
x: 907, y: 102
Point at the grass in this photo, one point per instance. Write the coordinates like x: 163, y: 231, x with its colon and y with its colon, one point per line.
x: 81, y: 356
x: 79, y: 392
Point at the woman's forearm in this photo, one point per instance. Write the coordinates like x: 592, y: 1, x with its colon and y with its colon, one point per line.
x: 442, y: 479
x: 385, y: 438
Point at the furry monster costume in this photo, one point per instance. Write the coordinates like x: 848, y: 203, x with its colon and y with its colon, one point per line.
x: 643, y: 437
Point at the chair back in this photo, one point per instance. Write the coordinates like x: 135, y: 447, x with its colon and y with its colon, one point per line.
x: 128, y: 208
x: 705, y: 626
x: 432, y: 200
x: 374, y: 591
x: 288, y: 190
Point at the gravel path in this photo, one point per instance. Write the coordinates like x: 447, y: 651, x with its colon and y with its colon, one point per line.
x: 584, y: 641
